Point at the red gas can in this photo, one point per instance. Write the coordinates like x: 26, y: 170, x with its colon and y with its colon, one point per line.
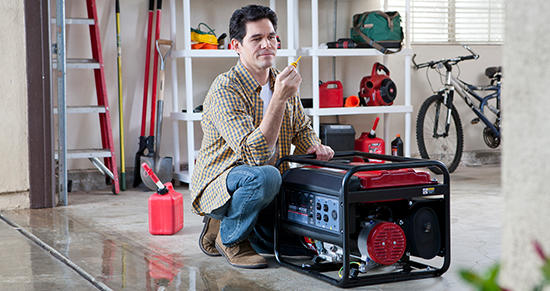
x: 166, y: 211
x: 331, y: 94
x: 369, y: 143
x: 165, y: 207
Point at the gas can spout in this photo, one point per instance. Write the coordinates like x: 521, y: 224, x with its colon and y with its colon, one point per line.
x: 161, y: 188
x: 372, y: 133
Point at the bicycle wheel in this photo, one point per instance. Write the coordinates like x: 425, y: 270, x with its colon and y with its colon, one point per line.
x: 430, y: 128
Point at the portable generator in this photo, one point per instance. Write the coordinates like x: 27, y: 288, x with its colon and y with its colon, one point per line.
x: 367, y: 223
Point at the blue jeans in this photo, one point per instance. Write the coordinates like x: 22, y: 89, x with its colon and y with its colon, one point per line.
x: 252, y: 188
x: 250, y: 213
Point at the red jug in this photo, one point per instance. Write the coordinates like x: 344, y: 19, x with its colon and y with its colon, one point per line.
x: 369, y: 143
x: 166, y: 211
x: 331, y: 94
x: 165, y: 207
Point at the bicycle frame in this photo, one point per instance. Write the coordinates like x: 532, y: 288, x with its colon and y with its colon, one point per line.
x: 466, y: 91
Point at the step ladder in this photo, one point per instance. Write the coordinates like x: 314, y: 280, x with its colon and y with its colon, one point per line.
x: 109, y: 166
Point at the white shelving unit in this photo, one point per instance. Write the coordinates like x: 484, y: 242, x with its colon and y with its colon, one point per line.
x: 188, y: 117
x: 315, y: 52
x: 291, y: 51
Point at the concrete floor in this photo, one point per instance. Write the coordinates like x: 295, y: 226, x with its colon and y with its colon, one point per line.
x: 107, y: 237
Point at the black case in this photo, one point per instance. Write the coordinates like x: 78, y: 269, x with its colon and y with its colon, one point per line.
x: 340, y: 137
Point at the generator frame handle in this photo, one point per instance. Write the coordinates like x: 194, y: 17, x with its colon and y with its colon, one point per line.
x: 397, y: 163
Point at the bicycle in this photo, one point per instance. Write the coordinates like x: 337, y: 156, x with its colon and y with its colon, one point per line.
x: 439, y: 134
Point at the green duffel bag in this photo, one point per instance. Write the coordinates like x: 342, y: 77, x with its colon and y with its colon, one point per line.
x: 377, y: 29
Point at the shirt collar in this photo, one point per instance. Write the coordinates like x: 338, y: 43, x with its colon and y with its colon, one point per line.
x: 250, y: 84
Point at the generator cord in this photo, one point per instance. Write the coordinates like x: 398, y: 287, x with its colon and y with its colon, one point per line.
x: 99, y: 285
x: 342, y: 268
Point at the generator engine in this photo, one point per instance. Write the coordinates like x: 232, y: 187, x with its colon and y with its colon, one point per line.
x: 380, y: 243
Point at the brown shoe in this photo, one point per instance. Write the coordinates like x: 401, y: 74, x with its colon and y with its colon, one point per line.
x: 241, y: 255
x: 208, y: 236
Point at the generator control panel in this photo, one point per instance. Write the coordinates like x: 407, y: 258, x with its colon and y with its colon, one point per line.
x: 313, y: 209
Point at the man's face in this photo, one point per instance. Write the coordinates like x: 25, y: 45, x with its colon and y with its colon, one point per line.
x: 259, y: 46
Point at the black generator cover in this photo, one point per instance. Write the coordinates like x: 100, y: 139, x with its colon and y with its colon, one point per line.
x: 423, y: 232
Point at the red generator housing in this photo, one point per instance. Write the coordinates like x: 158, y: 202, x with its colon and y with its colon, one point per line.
x: 378, y: 89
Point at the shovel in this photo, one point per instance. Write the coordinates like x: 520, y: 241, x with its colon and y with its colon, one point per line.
x: 145, y: 142
x: 162, y: 166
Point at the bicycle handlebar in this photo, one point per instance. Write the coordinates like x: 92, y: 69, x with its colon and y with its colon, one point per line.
x: 451, y: 61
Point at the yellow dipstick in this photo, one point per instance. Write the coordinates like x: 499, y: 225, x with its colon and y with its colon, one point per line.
x: 295, y: 63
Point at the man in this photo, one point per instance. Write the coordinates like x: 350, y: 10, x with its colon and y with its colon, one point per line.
x: 251, y: 117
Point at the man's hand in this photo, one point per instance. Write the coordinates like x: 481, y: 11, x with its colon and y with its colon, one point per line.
x: 287, y: 83
x: 322, y: 152
x: 286, y: 86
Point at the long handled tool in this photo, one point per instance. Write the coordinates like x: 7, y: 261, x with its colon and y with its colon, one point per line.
x: 155, y: 70
x: 120, y: 103
x: 145, y: 143
x: 162, y: 166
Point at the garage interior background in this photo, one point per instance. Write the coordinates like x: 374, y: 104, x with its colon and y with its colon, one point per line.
x: 524, y: 168
x: 83, y: 129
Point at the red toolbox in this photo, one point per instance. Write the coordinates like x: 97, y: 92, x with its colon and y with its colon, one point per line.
x: 331, y: 94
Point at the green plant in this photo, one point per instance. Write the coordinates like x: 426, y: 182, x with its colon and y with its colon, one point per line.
x: 545, y: 267
x: 488, y: 280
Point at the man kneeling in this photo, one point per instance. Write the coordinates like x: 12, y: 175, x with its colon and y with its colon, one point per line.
x: 252, y: 114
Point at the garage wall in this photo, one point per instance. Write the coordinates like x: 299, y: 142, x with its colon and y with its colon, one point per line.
x: 83, y: 130
x: 14, y: 180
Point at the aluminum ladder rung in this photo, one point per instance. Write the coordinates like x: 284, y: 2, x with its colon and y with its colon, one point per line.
x: 87, y: 153
x: 102, y: 168
x: 75, y: 63
x: 83, y: 109
x: 86, y: 21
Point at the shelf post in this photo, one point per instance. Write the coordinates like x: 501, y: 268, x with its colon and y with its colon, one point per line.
x: 315, y: 63
x: 407, y: 103
x: 174, y: 78
x: 290, y: 29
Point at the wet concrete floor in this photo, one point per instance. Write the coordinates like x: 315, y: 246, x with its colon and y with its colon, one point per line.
x: 107, y: 237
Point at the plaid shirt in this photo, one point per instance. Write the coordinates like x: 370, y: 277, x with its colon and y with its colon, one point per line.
x: 233, y: 111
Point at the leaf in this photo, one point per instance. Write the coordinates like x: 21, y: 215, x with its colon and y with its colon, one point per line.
x: 546, y: 270
x: 493, y: 273
x: 489, y: 285
x: 471, y: 277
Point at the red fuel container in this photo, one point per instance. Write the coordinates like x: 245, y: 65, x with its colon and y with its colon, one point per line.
x: 166, y: 212
x: 369, y: 143
x: 331, y: 94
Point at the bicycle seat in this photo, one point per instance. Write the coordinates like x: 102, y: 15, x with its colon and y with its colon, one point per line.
x: 490, y: 72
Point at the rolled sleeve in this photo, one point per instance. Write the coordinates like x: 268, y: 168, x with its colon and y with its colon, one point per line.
x: 255, y: 148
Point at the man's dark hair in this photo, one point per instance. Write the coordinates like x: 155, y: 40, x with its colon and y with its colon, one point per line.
x: 250, y: 13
